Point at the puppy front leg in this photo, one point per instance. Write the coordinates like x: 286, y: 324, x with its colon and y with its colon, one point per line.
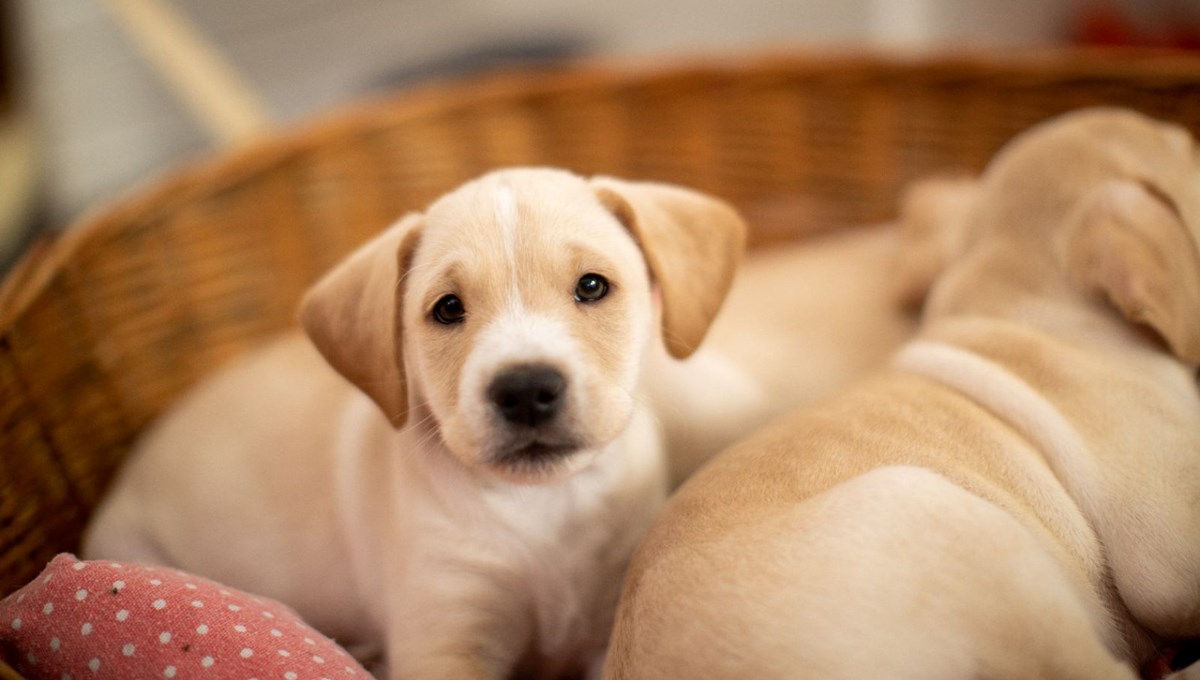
x: 453, y: 629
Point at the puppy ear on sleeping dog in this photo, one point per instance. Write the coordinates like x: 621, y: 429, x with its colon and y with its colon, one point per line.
x: 352, y: 315
x: 693, y: 244
x: 1129, y: 242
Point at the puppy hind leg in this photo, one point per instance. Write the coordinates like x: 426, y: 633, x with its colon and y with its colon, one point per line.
x: 897, y: 573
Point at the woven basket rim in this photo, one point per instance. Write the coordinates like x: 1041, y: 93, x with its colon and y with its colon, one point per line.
x: 222, y: 168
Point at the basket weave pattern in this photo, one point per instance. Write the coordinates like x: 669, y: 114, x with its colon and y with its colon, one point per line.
x: 101, y: 330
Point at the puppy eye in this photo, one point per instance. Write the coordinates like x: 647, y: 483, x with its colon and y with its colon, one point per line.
x: 591, y: 287
x: 449, y: 310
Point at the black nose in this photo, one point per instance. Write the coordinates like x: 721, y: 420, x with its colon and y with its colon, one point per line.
x: 528, y: 395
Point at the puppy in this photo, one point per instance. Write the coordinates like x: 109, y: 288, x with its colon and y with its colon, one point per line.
x: 464, y: 496
x: 1016, y: 496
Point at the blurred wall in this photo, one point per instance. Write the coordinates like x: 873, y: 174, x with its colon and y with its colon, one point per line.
x: 107, y: 122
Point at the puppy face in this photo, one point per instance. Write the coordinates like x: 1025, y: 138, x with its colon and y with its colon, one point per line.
x: 527, y: 308
x: 510, y: 319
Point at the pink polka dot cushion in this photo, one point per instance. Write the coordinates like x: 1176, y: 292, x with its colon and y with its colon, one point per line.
x: 93, y: 620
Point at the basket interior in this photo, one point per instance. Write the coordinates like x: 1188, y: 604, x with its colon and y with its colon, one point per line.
x: 103, y: 329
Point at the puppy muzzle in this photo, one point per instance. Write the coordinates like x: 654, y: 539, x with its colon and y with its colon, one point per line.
x: 529, y: 399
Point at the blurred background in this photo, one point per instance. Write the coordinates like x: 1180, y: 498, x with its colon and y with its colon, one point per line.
x: 98, y: 96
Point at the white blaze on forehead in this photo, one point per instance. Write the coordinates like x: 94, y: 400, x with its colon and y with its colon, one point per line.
x: 518, y: 337
x: 505, y: 201
x: 506, y: 212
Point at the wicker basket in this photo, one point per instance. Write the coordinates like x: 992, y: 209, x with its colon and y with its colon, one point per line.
x: 102, y: 329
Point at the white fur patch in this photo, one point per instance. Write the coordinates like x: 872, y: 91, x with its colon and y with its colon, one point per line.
x: 517, y: 337
x: 507, y: 217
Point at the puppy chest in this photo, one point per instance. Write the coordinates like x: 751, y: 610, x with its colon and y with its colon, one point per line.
x: 573, y: 588
x: 568, y: 552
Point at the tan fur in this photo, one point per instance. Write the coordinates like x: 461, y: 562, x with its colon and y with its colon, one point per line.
x: 932, y: 211
x: 403, y: 524
x: 1015, y: 497
x: 695, y: 272
x: 801, y: 321
x: 353, y: 317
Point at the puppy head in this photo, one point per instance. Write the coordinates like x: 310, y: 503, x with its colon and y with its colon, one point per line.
x: 1108, y: 198
x: 510, y: 319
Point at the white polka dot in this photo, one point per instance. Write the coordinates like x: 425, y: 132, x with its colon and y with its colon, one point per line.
x: 190, y: 586
x: 16, y: 623
x: 115, y: 565
x: 284, y: 653
x: 317, y: 659
x: 240, y: 628
x: 224, y: 592
x: 85, y: 629
x: 169, y: 672
x: 21, y: 596
x: 32, y: 658
x: 55, y: 643
x: 127, y: 650
x: 123, y: 614
x: 78, y: 565
x: 197, y: 603
x: 202, y: 629
x: 206, y: 661
x: 275, y: 633
x: 234, y: 608
x: 289, y: 675
x: 246, y: 652
x: 309, y: 641
x: 269, y: 615
x: 94, y: 664
x: 118, y: 585
x: 49, y: 607
x: 81, y: 594
x: 66, y: 676
x: 348, y: 669
x: 156, y: 582
x: 159, y: 604
x: 164, y: 637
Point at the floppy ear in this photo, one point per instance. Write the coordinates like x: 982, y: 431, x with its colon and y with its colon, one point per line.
x: 933, y: 231
x: 353, y: 317
x: 693, y: 244
x: 1128, y: 241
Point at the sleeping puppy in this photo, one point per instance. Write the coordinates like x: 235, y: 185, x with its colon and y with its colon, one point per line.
x: 1016, y: 496
x: 464, y: 497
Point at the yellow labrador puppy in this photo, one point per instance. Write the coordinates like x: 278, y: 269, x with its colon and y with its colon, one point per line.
x: 474, y: 521
x: 1016, y: 496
